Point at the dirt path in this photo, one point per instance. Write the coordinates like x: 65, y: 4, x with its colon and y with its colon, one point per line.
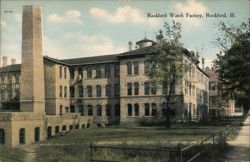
x: 31, y: 152
x: 240, y: 151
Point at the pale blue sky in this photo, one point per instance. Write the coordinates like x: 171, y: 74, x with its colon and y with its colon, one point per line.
x: 74, y: 29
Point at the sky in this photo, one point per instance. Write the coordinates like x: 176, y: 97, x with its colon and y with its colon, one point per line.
x: 78, y: 28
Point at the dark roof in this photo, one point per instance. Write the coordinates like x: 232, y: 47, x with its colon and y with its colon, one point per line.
x: 11, y: 68
x: 55, y: 60
x: 140, y: 51
x: 91, y: 60
x: 202, y: 71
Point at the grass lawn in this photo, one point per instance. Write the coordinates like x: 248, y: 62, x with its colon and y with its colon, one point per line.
x: 136, y: 134
x: 68, y: 147
x: 6, y: 152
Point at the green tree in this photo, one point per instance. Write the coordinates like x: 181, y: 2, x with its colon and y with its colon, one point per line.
x: 233, y: 64
x: 169, y: 68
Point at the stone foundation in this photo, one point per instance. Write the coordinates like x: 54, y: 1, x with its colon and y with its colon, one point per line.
x: 27, y: 128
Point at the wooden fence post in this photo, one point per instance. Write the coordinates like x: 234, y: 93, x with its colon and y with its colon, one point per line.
x: 213, y: 138
x: 180, y: 152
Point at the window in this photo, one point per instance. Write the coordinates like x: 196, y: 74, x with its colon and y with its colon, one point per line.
x: 60, y: 71
x: 129, y: 109
x: 153, y: 65
x: 146, y: 88
x: 146, y: 106
x: 108, y: 110
x: 212, y: 86
x: 212, y: 100
x: 129, y: 68
x: 17, y: 94
x: 61, y: 89
x: 117, y: 89
x: 65, y: 72
x: 136, y: 68
x: 89, y: 72
x: 117, y: 110
x: 22, y: 136
x: 49, y: 132
x: 72, y: 73
x: 89, y: 89
x: 61, y: 109
x: 37, y: 134
x: 79, y: 71
x: 98, y: 71
x: 136, y: 88
x: 136, y: 109
x: 146, y: 67
x: 153, y: 89
x: 164, y: 109
x: 81, y: 110
x: 98, y: 91
x: 64, y: 128
x: 72, y: 109
x: 129, y: 86
x: 80, y: 90
x: 98, y: 110
x: 72, y: 91
x: 108, y: 90
x: 90, y: 110
x: 2, y: 140
x: 65, y: 91
x: 57, y: 129
x: 107, y: 71
x: 67, y: 109
x: 154, y: 109
x: 117, y: 70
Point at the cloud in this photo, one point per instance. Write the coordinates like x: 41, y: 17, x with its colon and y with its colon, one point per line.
x: 122, y: 15
x: 3, y: 23
x: 71, y: 16
x: 191, y: 7
x: 79, y: 45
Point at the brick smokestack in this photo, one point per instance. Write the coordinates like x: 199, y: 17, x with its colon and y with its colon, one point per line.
x: 5, y: 60
x: 32, y: 97
x: 13, y: 61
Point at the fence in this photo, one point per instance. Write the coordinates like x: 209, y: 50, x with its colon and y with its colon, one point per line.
x: 177, y: 153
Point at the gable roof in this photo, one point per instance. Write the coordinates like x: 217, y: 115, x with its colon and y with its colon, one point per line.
x: 91, y: 60
x: 11, y: 68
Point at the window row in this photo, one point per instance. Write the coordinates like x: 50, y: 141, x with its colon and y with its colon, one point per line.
x: 21, y: 135
x: 149, y: 109
x: 10, y: 78
x: 98, y: 88
x: 106, y: 110
x: 134, y: 87
x: 63, y: 70
x: 133, y: 67
x: 98, y: 71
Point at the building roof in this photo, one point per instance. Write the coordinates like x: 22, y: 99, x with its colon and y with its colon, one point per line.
x: 91, y: 60
x: 11, y: 68
x: 145, y: 40
x: 140, y: 51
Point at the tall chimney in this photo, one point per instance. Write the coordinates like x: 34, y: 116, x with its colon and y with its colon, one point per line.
x: 5, y: 60
x: 203, y: 63
x: 32, y: 98
x: 130, y: 44
x: 13, y: 61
